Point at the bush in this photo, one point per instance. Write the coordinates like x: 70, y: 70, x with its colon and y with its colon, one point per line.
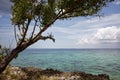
x: 3, y: 52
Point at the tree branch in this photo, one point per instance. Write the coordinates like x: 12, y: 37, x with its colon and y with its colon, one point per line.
x: 34, y: 28
x: 15, y: 34
x: 45, y: 27
x: 37, y: 37
x: 48, y: 37
x: 24, y: 34
x: 19, y: 29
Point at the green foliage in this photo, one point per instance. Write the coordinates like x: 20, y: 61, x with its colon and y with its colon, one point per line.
x: 81, y: 7
x: 46, y: 18
x: 13, y: 76
x: 38, y: 9
x: 1, y: 57
x: 51, y: 3
x: 3, y: 52
x: 23, y: 10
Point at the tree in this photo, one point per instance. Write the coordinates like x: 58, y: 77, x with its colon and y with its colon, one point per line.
x: 3, y: 52
x: 42, y: 14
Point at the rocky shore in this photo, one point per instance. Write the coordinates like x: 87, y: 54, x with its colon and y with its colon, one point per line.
x: 31, y: 73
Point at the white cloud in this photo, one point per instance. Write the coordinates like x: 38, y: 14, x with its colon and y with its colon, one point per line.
x: 102, y: 35
x: 117, y: 2
x: 91, y: 32
x: 64, y: 30
x: 110, y: 33
x: 86, y: 27
x: 97, y: 22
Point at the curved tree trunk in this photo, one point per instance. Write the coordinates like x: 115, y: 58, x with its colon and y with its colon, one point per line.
x: 23, y: 45
x: 10, y: 57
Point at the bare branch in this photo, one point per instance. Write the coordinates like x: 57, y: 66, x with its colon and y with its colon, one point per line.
x: 15, y: 34
x: 45, y: 27
x: 19, y: 29
x: 24, y: 34
x: 23, y: 28
x: 48, y: 37
x: 34, y: 28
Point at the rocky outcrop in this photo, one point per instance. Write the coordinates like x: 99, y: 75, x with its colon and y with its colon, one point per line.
x: 31, y: 73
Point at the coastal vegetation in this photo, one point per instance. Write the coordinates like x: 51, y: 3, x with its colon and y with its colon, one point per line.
x: 31, y: 18
x: 31, y: 73
x: 3, y: 52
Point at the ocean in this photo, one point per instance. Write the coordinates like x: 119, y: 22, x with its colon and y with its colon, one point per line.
x: 95, y: 61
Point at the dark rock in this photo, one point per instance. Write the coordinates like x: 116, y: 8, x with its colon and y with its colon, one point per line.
x: 32, y: 73
x: 87, y: 76
x: 50, y: 72
x: 104, y: 76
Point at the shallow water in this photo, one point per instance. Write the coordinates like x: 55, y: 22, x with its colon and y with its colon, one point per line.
x: 95, y: 61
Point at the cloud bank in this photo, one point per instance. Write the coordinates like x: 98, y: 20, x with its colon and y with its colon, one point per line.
x: 104, y: 31
x: 102, y: 36
x: 117, y: 2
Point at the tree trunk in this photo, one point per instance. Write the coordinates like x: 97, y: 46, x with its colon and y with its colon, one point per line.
x: 21, y: 47
x: 10, y: 57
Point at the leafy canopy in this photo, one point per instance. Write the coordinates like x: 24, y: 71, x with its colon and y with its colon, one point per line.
x: 46, y: 10
x: 43, y: 13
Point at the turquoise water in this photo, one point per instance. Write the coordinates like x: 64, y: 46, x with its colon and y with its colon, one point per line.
x: 95, y: 61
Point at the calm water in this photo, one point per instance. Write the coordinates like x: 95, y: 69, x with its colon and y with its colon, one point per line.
x: 93, y: 61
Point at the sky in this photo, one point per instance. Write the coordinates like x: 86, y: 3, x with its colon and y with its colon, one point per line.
x: 80, y: 32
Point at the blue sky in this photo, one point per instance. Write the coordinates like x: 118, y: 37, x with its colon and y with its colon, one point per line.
x: 80, y: 32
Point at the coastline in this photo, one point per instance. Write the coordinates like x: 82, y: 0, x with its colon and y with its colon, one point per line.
x: 32, y: 73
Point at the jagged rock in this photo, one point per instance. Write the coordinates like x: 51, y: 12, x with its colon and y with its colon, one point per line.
x: 31, y: 73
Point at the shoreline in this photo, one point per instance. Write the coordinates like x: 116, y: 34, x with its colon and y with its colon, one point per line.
x: 32, y: 73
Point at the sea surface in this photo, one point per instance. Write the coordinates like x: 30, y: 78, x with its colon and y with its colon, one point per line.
x: 95, y: 61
